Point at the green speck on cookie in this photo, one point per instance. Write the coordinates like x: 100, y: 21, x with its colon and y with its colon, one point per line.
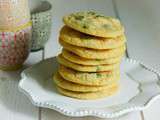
x: 108, y: 26
x: 98, y: 75
x: 79, y: 17
x: 91, y: 13
x: 85, y: 26
x: 98, y: 68
x: 98, y: 16
x: 98, y: 59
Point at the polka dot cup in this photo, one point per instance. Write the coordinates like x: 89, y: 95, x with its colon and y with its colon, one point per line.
x: 14, y: 48
x: 41, y: 25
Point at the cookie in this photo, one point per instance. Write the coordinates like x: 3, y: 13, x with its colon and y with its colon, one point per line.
x: 87, y: 68
x: 82, y: 40
x: 92, y: 53
x: 83, y: 61
x: 94, y: 24
x: 78, y: 87
x: 89, y: 95
x: 91, y: 79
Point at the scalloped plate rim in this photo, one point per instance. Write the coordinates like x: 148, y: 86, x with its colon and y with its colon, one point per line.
x: 83, y: 113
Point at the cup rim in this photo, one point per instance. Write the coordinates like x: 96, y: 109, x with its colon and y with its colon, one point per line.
x: 47, y: 9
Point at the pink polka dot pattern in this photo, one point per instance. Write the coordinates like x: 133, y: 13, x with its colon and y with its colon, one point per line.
x: 14, y: 47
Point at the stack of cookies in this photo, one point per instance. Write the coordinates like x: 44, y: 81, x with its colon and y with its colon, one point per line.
x: 93, y: 46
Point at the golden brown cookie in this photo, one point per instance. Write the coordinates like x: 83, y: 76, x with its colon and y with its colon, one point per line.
x: 83, y: 61
x: 78, y: 87
x: 76, y: 38
x: 87, y: 68
x: 92, y: 79
x: 89, y: 95
x: 92, y: 53
x: 94, y: 24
